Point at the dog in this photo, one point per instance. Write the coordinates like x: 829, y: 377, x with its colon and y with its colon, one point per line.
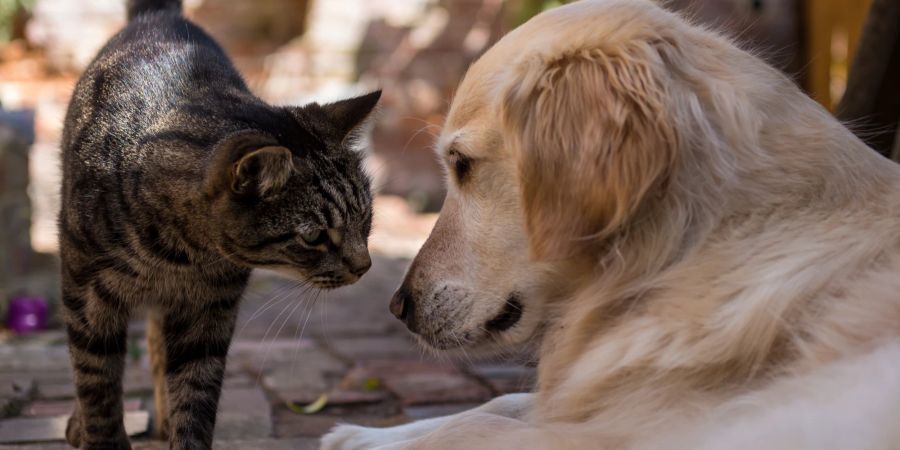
x: 707, y: 258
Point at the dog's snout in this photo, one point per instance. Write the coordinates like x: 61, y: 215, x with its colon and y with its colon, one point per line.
x: 402, y: 305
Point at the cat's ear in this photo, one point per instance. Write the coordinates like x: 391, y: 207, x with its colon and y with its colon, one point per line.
x: 262, y: 172
x: 346, y: 116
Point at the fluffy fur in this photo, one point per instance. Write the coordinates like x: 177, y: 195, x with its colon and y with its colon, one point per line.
x: 707, y: 257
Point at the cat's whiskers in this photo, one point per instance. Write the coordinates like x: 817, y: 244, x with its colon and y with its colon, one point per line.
x: 299, y: 338
x: 297, y: 335
x: 315, y: 299
x: 286, y: 295
x: 280, y: 296
x: 289, y: 307
x: 323, y: 317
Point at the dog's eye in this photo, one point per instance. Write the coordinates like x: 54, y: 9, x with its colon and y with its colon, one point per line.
x: 461, y: 165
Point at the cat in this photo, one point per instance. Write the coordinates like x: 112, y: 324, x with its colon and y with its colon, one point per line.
x: 176, y: 182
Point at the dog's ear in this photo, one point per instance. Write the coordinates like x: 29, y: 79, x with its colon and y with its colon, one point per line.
x: 592, y: 138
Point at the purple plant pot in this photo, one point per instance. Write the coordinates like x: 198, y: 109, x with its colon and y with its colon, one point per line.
x: 27, y: 314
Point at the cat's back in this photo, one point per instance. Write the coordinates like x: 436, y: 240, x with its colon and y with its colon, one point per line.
x: 157, y: 63
x: 115, y: 161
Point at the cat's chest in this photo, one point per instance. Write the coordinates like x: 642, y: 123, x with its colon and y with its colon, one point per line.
x: 189, y: 285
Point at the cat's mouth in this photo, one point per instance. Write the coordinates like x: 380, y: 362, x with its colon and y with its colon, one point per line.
x: 322, y: 280
x: 329, y: 281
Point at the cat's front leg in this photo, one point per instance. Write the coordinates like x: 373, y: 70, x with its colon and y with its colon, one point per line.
x: 96, y: 324
x: 196, y: 343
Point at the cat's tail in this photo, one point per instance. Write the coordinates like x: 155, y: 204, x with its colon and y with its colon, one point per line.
x: 138, y: 7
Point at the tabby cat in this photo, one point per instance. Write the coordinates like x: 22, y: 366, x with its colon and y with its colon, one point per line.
x: 176, y: 182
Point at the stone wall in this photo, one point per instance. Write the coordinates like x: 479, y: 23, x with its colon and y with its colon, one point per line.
x: 16, y: 257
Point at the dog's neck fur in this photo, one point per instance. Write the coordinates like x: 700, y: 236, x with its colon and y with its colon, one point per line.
x: 697, y: 280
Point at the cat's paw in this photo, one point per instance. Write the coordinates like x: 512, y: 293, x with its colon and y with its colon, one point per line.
x: 75, y: 437
x: 73, y: 430
x: 354, y: 437
x: 161, y: 428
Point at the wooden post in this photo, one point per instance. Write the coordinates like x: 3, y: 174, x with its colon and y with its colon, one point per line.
x: 872, y: 98
x: 819, y: 24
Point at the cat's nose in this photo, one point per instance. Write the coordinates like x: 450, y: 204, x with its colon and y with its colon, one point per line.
x: 359, y: 264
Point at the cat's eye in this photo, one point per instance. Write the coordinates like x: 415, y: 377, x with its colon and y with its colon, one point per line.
x: 314, y: 237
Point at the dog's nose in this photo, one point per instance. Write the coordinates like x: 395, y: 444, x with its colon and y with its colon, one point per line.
x: 402, y: 306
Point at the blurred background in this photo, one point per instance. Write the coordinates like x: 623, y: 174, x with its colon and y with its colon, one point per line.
x: 292, y: 52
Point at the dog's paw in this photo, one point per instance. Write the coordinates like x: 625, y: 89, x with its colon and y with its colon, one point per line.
x: 354, y: 437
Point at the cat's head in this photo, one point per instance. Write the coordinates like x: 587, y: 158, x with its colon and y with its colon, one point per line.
x: 297, y: 200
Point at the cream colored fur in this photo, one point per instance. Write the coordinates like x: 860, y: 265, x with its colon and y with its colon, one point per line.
x: 707, y: 258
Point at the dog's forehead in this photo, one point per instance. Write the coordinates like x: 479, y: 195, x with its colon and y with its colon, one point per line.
x: 475, y: 103
x: 446, y: 140
x: 471, y: 140
x: 472, y: 125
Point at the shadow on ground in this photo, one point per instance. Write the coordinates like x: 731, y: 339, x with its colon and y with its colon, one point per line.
x: 292, y: 345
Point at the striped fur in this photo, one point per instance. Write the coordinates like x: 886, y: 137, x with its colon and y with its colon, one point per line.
x: 177, y: 181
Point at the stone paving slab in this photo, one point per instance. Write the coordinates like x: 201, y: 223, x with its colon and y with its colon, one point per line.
x: 292, y: 425
x: 54, y: 428
x: 243, y: 444
x: 237, y: 425
x: 336, y: 396
x: 423, y: 382
x: 244, y: 413
x: 430, y: 411
x: 374, y: 348
x: 34, y: 357
x: 436, y: 387
x: 15, y: 392
x: 59, y: 390
x: 360, y: 356
x: 239, y: 380
x: 14, y: 384
x: 50, y: 408
x: 505, y: 378
x: 265, y: 357
x: 267, y: 444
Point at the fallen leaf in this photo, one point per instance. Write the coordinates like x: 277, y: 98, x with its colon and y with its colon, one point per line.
x: 371, y: 384
x: 311, y: 408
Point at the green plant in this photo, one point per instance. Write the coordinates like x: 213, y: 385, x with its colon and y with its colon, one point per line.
x: 529, y: 8
x: 10, y: 11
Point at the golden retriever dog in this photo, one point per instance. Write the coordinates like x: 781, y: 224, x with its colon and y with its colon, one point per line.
x: 707, y: 257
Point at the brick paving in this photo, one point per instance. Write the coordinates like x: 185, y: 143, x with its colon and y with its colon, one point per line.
x: 291, y: 347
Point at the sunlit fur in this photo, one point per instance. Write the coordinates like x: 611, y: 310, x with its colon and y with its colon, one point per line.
x: 713, y: 259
